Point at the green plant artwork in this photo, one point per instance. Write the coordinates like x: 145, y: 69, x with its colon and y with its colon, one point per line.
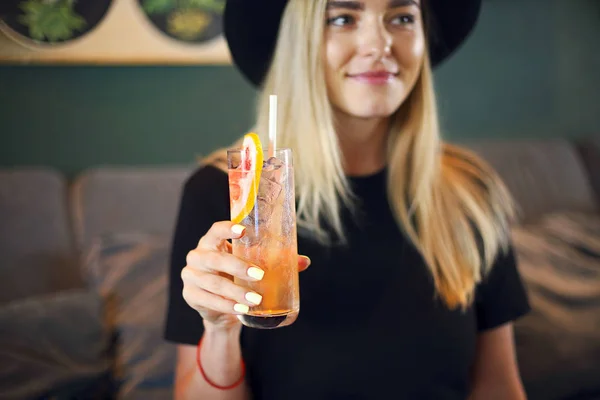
x: 51, y: 20
x: 185, y: 19
x: 159, y: 6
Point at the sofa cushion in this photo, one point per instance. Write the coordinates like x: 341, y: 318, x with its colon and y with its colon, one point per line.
x: 558, y: 343
x: 110, y: 200
x: 130, y: 271
x: 38, y: 254
x: 544, y: 176
x: 55, y: 345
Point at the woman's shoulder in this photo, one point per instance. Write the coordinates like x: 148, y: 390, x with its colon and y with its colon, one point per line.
x: 205, y: 176
x: 207, y: 183
x: 204, y: 199
x: 210, y: 173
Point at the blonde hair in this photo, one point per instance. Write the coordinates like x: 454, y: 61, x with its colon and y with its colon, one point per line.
x: 450, y: 204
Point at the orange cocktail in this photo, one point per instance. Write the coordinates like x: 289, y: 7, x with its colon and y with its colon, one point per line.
x: 262, y: 200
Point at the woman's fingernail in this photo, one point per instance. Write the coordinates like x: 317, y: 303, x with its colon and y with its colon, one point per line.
x: 241, y: 308
x: 256, y: 273
x: 307, y: 260
x: 238, y: 229
x: 253, y: 298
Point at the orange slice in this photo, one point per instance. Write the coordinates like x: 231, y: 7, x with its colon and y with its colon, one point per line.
x: 243, y: 182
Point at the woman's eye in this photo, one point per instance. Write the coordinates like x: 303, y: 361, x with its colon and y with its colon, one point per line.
x: 403, y: 19
x: 340, y: 20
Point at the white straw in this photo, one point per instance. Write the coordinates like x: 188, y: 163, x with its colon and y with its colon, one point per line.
x: 272, y: 124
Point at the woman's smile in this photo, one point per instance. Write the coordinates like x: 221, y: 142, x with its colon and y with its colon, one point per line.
x: 376, y: 77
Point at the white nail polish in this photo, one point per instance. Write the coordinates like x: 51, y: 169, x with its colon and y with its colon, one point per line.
x: 237, y: 229
x: 253, y: 298
x: 241, y: 308
x: 256, y: 273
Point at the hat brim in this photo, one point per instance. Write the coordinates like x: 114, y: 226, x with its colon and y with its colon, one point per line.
x: 251, y: 28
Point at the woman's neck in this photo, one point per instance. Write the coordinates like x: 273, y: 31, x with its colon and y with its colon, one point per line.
x: 362, y: 143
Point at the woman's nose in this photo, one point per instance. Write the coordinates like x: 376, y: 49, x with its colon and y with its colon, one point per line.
x: 375, y: 40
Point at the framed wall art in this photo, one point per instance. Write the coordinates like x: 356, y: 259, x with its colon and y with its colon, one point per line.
x: 113, y: 32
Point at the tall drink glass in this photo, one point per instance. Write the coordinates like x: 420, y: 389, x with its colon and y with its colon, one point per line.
x: 270, y: 240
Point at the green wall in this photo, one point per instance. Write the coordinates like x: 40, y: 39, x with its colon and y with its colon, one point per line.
x: 74, y: 117
x: 531, y: 70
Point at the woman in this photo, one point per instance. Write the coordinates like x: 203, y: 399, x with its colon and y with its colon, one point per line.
x: 413, y: 285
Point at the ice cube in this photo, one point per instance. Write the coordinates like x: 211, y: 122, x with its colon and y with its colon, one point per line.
x: 260, y: 214
x: 250, y: 238
x: 264, y: 211
x: 272, y: 169
x: 269, y: 187
x: 235, y: 164
x: 268, y: 190
x: 252, y: 233
x: 272, y: 164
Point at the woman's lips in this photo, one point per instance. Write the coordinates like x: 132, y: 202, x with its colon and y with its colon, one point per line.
x: 374, y: 78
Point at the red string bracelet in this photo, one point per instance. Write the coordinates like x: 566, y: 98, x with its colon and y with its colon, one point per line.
x: 235, y: 384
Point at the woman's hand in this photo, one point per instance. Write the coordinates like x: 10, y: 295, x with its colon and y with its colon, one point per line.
x: 208, y: 285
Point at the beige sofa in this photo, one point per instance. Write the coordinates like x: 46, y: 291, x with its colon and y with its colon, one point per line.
x: 83, y: 274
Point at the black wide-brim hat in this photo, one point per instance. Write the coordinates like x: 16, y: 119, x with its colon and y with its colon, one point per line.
x: 251, y: 28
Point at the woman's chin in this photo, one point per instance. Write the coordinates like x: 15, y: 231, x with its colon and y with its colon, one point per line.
x: 370, y: 111
x: 366, y: 104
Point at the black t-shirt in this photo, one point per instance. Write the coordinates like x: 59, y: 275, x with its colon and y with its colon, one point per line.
x: 370, y: 325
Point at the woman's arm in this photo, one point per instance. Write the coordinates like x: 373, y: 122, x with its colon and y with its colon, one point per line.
x: 221, y: 360
x: 495, y: 372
